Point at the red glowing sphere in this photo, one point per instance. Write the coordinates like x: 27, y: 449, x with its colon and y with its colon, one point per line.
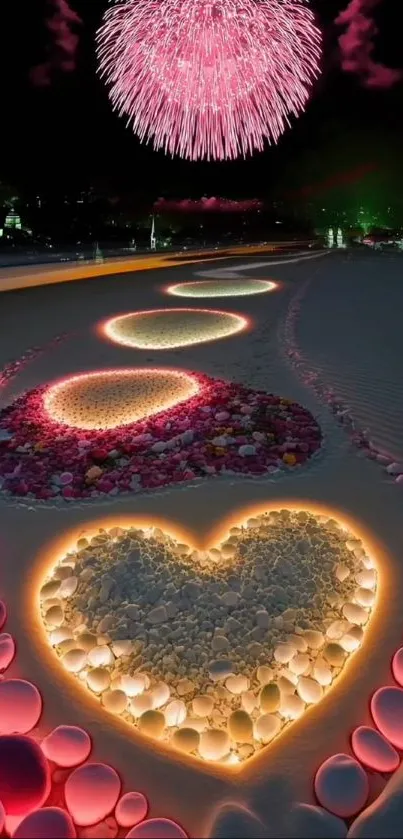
x: 24, y: 775
x: 209, y: 79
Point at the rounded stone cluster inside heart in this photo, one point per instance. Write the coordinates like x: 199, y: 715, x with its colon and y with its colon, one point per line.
x: 212, y: 651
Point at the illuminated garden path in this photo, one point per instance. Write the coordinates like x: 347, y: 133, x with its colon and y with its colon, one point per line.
x: 340, y: 480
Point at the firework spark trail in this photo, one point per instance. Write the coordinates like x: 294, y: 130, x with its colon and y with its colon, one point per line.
x: 209, y: 79
x: 63, y: 49
x: 357, y: 45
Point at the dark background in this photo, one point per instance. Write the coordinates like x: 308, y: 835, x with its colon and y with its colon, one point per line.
x: 66, y: 135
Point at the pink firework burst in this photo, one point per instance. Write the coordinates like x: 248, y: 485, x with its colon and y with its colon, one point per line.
x: 210, y: 79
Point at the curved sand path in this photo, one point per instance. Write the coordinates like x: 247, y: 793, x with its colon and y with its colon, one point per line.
x: 339, y: 478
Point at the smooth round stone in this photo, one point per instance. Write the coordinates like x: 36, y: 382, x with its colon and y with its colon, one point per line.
x: 314, y: 639
x: 115, y: 701
x: 186, y: 740
x: 152, y: 723
x: 157, y: 829
x: 269, y: 698
x: 299, y: 664
x: 202, y: 706
x: 373, y: 750
x: 237, y: 684
x: 233, y: 821
x: 309, y: 690
x: 131, y: 809
x: 292, y: 706
x: 334, y: 654
x: 266, y: 727
x: 98, y: 679
x: 240, y: 726
x: 91, y: 793
x: 387, y: 713
x: 74, y: 660
x: 47, y: 823
x: 264, y: 674
x: 20, y: 706
x: 354, y: 613
x: 214, y: 744
x: 341, y: 786
x: 397, y: 666
x: 283, y: 653
x: 175, y: 713
x: 24, y: 775
x: 67, y: 745
x: 7, y: 651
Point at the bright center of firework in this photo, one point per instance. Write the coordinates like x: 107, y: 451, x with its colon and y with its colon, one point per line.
x: 207, y: 79
x: 162, y: 329
x: 98, y: 401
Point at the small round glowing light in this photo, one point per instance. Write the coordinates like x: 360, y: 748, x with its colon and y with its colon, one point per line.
x: 164, y: 329
x: 112, y: 398
x: 131, y: 809
x: 221, y: 288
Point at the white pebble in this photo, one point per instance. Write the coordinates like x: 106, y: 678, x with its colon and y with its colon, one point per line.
x: 309, y: 690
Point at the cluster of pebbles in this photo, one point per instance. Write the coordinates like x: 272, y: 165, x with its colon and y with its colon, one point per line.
x: 163, y: 329
x: 212, y: 651
x: 222, y: 428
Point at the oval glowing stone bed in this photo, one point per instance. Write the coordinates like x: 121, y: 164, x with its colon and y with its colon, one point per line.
x: 162, y: 329
x: 128, y: 430
x: 221, y: 288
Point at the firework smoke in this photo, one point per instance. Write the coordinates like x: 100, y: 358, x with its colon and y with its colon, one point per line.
x: 61, y: 25
x: 210, y: 79
x: 357, y: 44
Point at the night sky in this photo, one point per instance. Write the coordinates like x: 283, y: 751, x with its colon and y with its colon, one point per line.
x: 66, y: 134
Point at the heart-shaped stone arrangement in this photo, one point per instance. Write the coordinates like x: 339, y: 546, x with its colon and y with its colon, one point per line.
x: 212, y: 651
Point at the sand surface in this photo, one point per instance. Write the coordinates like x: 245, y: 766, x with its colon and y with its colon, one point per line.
x: 349, y: 328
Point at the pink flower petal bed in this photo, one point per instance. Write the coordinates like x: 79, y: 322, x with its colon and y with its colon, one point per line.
x: 49, y: 787
x: 223, y: 428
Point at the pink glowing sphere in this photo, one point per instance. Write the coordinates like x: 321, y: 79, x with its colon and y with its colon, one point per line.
x: 67, y: 745
x: 157, y: 829
x: 24, y: 775
x: 91, y: 793
x: 20, y: 706
x: 373, y: 750
x: 48, y: 823
x: 131, y: 809
x: 387, y: 713
x: 210, y: 79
